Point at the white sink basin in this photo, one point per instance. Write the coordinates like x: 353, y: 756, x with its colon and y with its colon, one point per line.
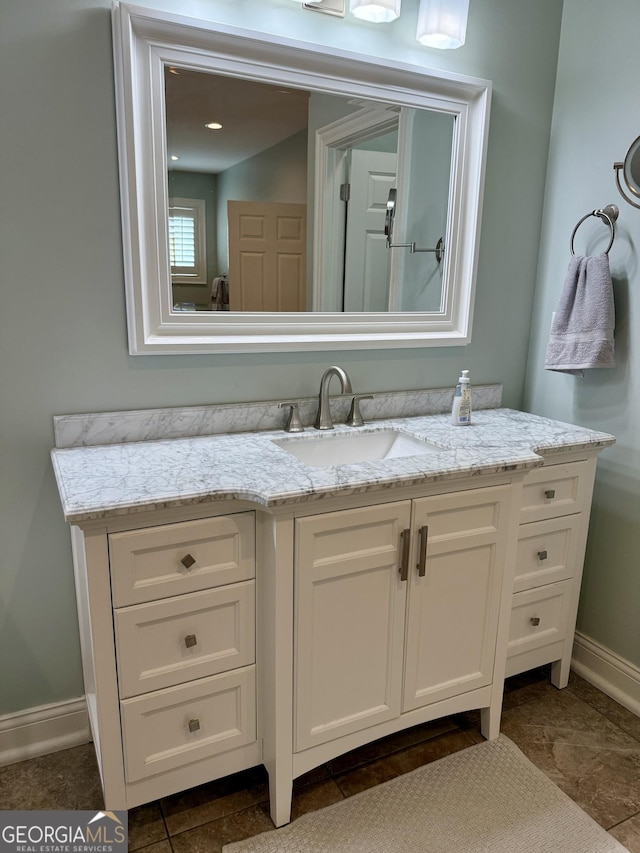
x: 346, y: 449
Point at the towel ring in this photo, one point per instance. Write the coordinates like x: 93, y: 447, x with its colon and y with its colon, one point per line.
x: 608, y: 214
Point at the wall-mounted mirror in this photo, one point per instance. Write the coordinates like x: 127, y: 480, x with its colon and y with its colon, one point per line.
x: 629, y: 172
x: 255, y: 174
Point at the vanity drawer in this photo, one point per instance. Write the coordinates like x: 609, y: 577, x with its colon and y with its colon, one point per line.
x: 178, y: 726
x: 546, y: 552
x: 555, y: 490
x: 172, y: 559
x: 179, y: 639
x: 539, y: 617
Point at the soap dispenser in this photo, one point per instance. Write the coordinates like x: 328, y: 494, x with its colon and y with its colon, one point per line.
x: 461, y: 411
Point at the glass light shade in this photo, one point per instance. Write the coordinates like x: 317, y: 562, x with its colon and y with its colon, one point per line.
x: 442, y: 23
x: 377, y: 11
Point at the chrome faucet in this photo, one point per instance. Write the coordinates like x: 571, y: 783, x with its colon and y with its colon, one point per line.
x: 323, y: 418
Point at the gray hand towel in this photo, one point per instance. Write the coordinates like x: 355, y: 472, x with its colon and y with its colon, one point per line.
x: 220, y: 293
x: 582, y: 329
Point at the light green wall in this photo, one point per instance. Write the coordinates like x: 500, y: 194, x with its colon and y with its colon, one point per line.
x: 199, y: 185
x: 62, y: 319
x: 277, y: 174
x: 432, y: 135
x: 595, y: 120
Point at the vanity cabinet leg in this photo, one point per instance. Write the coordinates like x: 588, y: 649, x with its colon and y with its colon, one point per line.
x: 560, y: 672
x: 275, y: 620
x: 280, y: 792
x: 490, y: 716
x: 490, y: 722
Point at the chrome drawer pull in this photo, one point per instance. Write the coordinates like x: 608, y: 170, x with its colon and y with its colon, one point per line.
x: 188, y: 561
x: 535, y: 621
x: 550, y: 494
x: 542, y: 555
x: 194, y: 725
x: 406, y: 542
x: 190, y: 640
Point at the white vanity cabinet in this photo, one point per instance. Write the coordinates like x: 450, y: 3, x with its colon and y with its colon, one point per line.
x: 554, y: 517
x: 167, y: 615
x: 223, y: 634
x: 397, y: 608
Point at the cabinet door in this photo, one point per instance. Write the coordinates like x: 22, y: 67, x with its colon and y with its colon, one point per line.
x: 350, y: 614
x: 454, y: 604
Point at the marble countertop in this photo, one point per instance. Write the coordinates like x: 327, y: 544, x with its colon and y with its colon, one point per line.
x: 112, y: 480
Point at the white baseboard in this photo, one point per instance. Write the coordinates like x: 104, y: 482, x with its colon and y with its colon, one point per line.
x: 39, y: 731
x: 615, y: 676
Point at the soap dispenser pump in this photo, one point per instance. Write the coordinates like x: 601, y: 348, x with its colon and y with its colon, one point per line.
x: 461, y: 411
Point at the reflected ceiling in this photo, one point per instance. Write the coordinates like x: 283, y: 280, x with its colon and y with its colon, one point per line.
x: 254, y: 116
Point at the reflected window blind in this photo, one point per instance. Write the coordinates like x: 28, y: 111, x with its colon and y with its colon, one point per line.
x: 187, y: 242
x: 182, y: 239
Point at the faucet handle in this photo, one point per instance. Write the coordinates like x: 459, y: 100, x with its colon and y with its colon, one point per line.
x: 354, y: 418
x: 293, y: 424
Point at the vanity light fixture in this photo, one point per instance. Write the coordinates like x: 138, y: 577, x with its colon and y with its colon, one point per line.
x: 442, y: 23
x: 376, y: 11
x: 327, y: 7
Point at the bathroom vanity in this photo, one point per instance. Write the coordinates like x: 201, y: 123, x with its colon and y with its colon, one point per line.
x: 240, y: 606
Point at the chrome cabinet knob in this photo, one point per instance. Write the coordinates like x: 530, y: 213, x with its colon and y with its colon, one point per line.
x: 535, y: 621
x: 188, y: 561
x: 190, y: 640
x: 194, y: 725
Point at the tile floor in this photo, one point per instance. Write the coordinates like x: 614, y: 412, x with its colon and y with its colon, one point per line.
x: 584, y: 741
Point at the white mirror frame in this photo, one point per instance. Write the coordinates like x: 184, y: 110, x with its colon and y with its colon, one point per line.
x: 144, y: 41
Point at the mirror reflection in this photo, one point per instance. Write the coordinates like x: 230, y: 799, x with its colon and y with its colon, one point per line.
x: 256, y: 171
x: 632, y: 168
x: 630, y: 171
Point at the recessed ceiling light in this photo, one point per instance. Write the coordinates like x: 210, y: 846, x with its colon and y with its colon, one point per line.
x: 214, y: 125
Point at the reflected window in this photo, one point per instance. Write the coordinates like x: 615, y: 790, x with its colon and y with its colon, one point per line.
x: 187, y: 243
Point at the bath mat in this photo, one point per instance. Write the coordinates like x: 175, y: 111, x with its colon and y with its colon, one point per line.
x: 488, y: 798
